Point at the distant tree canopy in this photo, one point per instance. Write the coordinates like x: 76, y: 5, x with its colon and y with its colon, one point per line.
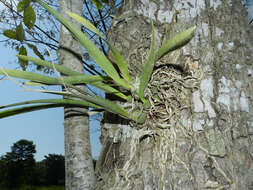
x: 55, y: 171
x: 19, y: 168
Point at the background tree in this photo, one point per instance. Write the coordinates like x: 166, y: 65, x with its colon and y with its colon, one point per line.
x: 55, y: 169
x: 18, y: 165
x: 50, y: 171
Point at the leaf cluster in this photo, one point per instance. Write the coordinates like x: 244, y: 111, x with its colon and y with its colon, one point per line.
x: 28, y: 20
x: 117, y: 83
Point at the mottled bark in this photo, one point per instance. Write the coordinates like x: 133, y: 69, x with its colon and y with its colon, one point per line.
x: 205, y: 141
x: 78, y: 159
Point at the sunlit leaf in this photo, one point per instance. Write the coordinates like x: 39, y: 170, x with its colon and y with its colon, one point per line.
x: 22, y: 5
x: 35, y: 77
x: 20, y: 33
x: 93, y: 51
x: 107, y: 105
x: 28, y: 76
x: 85, y: 23
x: 23, y: 63
x: 29, y: 17
x: 176, y: 42
x: 148, y: 68
x: 77, y: 79
x: 20, y: 110
x: 109, y: 90
x: 10, y: 34
x: 59, y: 68
x: 43, y: 104
x: 63, y: 102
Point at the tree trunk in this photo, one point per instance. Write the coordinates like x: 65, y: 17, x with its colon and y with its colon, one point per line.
x: 199, y: 129
x: 78, y: 159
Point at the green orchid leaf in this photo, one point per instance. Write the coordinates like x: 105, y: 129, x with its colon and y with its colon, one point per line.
x: 20, y: 33
x: 176, y: 42
x: 85, y: 23
x: 10, y: 34
x: 121, y: 63
x: 107, y: 105
x: 29, y: 17
x: 20, y: 110
x: 148, y: 68
x: 104, y: 103
x: 81, y: 79
x: 63, y: 102
x: 30, y: 83
x: 109, y: 90
x: 43, y: 104
x: 23, y: 63
x: 93, y: 51
x: 139, y: 117
x: 59, y: 68
x: 39, y: 79
x: 94, y: 81
x: 35, y: 77
x: 28, y: 76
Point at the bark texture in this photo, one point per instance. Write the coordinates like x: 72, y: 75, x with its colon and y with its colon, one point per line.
x: 206, y: 139
x: 78, y: 159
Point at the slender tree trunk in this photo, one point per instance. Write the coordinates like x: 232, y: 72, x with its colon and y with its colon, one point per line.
x: 78, y: 159
x: 199, y: 131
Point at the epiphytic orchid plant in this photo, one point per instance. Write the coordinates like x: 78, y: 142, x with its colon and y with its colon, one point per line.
x: 108, y: 83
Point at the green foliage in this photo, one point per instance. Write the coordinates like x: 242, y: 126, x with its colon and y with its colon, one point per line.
x: 18, y: 165
x: 121, y: 63
x: 10, y: 34
x: 29, y: 17
x: 55, y: 169
x: 176, y: 42
x: 148, y: 68
x: 20, y: 33
x: 117, y: 83
x: 85, y: 23
x: 93, y: 51
x: 22, y: 63
x: 19, y: 171
x: 22, y: 5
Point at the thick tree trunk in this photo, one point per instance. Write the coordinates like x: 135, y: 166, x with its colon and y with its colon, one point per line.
x: 78, y: 159
x: 199, y: 130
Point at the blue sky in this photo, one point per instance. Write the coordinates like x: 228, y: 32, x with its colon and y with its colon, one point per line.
x: 44, y: 128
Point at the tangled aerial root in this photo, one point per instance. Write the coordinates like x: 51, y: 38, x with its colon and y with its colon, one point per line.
x: 169, y: 91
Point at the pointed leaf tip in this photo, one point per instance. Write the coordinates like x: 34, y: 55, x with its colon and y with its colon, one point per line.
x: 176, y: 42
